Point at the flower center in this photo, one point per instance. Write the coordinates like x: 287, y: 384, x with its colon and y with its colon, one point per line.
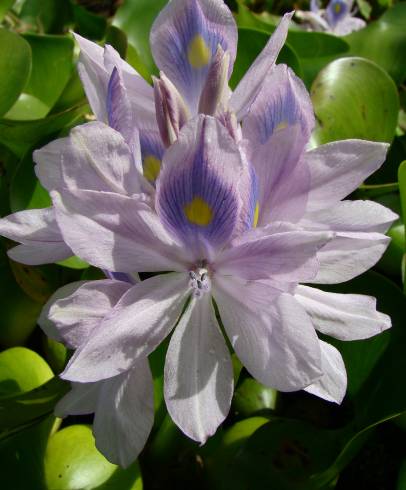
x: 199, y: 281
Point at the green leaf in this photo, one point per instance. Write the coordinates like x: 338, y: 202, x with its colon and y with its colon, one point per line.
x: 354, y: 98
x: 46, y: 15
x: 19, y: 312
x: 52, y: 65
x: 402, y: 188
x: 26, y: 192
x: 251, y: 397
x: 251, y: 42
x: 5, y: 6
x: 22, y: 370
x: 384, y: 42
x: 73, y: 462
x: 27, y: 108
x: 20, y: 136
x: 89, y: 25
x: 23, y: 410
x: 15, y: 66
x: 56, y: 354
x: 135, y: 19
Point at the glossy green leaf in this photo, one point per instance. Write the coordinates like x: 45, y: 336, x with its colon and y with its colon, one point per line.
x: 384, y: 41
x: 5, y: 5
x: 251, y: 42
x: 23, y: 410
x: 402, y: 187
x: 56, y: 354
x: 26, y: 192
x: 22, y: 370
x: 135, y: 19
x: 401, y: 484
x: 251, y: 397
x: 52, y: 65
x: 49, y: 15
x: 72, y: 462
x: 88, y: 24
x: 354, y: 98
x: 20, y: 136
x: 19, y: 312
x: 15, y: 67
x: 27, y: 108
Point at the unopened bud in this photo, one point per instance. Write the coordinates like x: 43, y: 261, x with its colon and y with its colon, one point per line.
x: 215, y: 91
x: 171, y: 110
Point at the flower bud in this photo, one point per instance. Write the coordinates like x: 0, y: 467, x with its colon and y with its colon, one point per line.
x: 171, y: 110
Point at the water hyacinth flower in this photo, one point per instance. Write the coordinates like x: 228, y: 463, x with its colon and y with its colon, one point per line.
x: 337, y: 18
x: 216, y: 194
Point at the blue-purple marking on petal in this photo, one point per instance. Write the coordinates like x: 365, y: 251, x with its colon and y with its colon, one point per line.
x: 336, y: 11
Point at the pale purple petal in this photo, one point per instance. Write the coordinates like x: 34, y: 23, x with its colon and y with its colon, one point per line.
x: 78, y: 314
x: 198, y: 384
x: 286, y: 256
x: 39, y: 235
x: 95, y: 68
x: 339, y: 168
x: 348, y: 255
x: 251, y: 83
x: 348, y: 25
x: 333, y: 384
x: 141, y: 320
x: 278, y: 345
x: 342, y: 316
x: 48, y: 161
x: 198, y: 196
x: 43, y: 321
x: 116, y: 232
x: 283, y: 181
x: 282, y: 102
x: 99, y: 159
x: 80, y: 400
x: 184, y: 40
x: 348, y: 216
x: 125, y: 414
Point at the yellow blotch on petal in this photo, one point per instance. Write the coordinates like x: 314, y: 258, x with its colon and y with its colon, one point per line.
x: 337, y: 8
x: 152, y: 167
x: 281, y: 125
x: 198, y: 212
x: 256, y: 216
x: 198, y: 53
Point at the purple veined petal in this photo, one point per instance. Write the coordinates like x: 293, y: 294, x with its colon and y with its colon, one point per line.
x: 152, y: 150
x: 140, y: 321
x: 278, y: 345
x: 123, y: 408
x: 342, y: 316
x: 349, y: 24
x: 99, y: 159
x: 282, y: 185
x: 198, y: 382
x: 338, y: 168
x: 351, y: 216
x: 251, y: 83
x: 282, y: 102
x: 198, y: 196
x: 287, y: 256
x: 336, y: 12
x: 117, y: 233
x: 348, y: 255
x: 39, y: 235
x: 119, y: 110
x: 75, y: 311
x: 333, y: 384
x: 132, y: 278
x: 184, y: 39
x: 125, y: 414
